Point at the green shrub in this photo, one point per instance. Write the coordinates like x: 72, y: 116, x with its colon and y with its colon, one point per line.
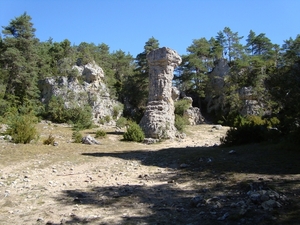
x: 121, y: 122
x: 242, y: 135
x: 81, y: 117
x: 252, y: 129
x: 49, y: 141
x: 180, y: 122
x: 134, y: 133
x: 100, y: 134
x: 77, y: 136
x: 22, y: 127
x: 56, y: 110
x: 181, y: 106
x: 116, y: 110
x: 107, y: 118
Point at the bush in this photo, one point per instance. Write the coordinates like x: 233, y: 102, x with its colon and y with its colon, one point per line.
x: 251, y: 129
x: 22, y: 127
x: 180, y: 122
x: 107, y: 118
x: 134, y: 133
x: 117, y: 109
x: 100, y: 134
x: 121, y: 122
x: 245, y: 134
x: 49, y: 141
x: 81, y: 117
x: 181, y: 106
x: 77, y: 136
x: 56, y: 110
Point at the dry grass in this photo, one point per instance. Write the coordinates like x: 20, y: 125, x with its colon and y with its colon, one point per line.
x: 152, y: 172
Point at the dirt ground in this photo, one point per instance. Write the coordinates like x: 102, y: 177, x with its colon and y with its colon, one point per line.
x: 190, y: 181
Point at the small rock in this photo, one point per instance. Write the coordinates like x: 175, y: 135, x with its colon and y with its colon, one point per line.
x: 224, y: 216
x: 217, y: 127
x: 269, y: 205
x: 255, y: 197
x: 183, y: 165
x: 89, y: 140
x: 198, y: 200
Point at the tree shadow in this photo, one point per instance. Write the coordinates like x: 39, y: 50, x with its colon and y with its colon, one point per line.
x: 163, y: 199
x: 244, y: 159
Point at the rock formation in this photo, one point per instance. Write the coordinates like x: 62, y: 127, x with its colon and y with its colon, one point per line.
x: 193, y: 114
x: 86, y: 88
x: 215, y: 97
x: 158, y: 120
x: 251, y: 103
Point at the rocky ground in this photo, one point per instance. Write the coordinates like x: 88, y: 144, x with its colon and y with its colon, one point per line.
x: 190, y: 181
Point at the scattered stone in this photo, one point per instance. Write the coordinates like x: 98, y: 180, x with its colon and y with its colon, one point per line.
x: 269, y: 205
x: 197, y: 201
x: 55, y: 143
x: 89, y: 140
x: 150, y: 141
x: 224, y: 216
x: 183, y: 165
x: 217, y: 127
x: 232, y: 152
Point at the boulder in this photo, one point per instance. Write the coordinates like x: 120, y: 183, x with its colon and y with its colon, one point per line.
x: 89, y: 140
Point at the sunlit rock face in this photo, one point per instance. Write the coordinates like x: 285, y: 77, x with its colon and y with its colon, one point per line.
x: 158, y: 120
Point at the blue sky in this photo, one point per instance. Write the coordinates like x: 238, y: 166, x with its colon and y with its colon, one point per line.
x: 128, y: 24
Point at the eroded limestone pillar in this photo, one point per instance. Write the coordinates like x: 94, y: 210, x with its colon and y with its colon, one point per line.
x: 158, y: 120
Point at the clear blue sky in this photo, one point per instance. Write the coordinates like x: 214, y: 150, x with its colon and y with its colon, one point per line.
x: 128, y: 24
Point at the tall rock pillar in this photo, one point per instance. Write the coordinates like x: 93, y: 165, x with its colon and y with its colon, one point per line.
x: 158, y: 120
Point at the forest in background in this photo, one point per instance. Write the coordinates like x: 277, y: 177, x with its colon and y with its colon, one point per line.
x: 272, y: 71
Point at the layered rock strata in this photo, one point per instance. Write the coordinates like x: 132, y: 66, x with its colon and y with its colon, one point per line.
x: 87, y: 87
x: 158, y: 120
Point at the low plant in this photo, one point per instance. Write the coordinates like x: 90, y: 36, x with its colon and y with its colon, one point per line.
x: 251, y: 132
x: 121, y: 122
x: 180, y: 122
x: 117, y: 109
x: 134, y: 133
x: 100, y: 134
x: 50, y: 140
x: 107, y: 118
x: 77, y: 136
x: 181, y: 106
x: 22, y: 128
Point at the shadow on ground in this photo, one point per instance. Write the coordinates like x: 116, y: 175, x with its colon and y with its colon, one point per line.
x: 244, y: 159
x: 210, y: 169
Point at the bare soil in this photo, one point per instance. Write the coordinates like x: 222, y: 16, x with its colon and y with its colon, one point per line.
x: 120, y: 182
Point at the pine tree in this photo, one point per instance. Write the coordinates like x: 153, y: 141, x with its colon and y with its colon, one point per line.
x: 137, y: 88
x: 20, y: 60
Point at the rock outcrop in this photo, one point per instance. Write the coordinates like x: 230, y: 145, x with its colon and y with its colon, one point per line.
x: 193, y: 114
x: 215, y: 97
x: 158, y: 120
x: 86, y: 88
x: 251, y: 104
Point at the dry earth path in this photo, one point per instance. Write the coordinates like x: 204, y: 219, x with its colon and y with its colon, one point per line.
x: 189, y: 181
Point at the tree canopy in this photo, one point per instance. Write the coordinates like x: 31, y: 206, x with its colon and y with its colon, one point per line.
x: 215, y: 72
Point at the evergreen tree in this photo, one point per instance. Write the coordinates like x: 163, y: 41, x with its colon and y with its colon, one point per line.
x: 20, y: 60
x: 284, y: 86
x: 123, y: 67
x: 192, y: 76
x: 137, y: 88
